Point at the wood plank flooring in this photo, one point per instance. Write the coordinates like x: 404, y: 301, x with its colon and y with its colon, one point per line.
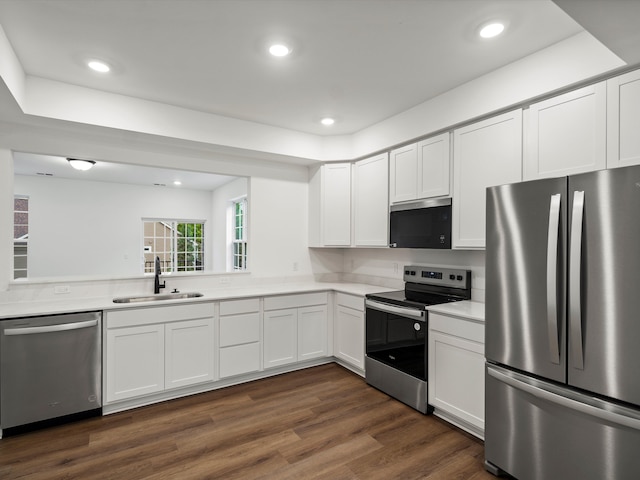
x: 320, y: 423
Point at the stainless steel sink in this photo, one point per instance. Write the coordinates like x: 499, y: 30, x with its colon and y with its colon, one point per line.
x: 153, y: 298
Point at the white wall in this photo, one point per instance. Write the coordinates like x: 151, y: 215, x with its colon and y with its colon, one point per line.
x: 278, y: 234
x: 80, y: 228
x: 6, y: 218
x: 573, y: 60
x: 378, y: 266
x: 221, y: 198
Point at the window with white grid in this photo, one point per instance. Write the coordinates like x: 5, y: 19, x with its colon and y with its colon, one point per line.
x: 20, y: 235
x: 239, y: 234
x: 178, y: 243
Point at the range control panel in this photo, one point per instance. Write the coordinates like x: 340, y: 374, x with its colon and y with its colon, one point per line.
x: 446, y: 277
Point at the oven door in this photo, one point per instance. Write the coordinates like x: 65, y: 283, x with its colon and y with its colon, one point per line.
x: 397, y: 336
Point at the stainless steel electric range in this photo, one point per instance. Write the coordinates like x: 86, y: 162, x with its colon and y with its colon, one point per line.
x: 396, y: 331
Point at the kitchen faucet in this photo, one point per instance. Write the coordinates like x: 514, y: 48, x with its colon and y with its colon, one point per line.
x: 157, y: 285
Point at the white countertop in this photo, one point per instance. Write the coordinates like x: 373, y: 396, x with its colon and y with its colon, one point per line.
x: 466, y: 309
x: 48, y: 307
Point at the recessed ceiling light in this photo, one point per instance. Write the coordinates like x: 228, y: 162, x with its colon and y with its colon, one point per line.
x: 279, y: 50
x: 177, y: 182
x: 492, y: 30
x: 327, y: 121
x: 98, y: 66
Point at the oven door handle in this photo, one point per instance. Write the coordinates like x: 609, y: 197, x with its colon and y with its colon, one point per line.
x: 405, y: 312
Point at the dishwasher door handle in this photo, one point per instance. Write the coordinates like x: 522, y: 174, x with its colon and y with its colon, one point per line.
x: 50, y: 328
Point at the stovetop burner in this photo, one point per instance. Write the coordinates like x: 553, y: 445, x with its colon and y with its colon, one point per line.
x: 426, y: 286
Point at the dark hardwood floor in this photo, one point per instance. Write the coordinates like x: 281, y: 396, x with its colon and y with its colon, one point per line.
x: 323, y: 422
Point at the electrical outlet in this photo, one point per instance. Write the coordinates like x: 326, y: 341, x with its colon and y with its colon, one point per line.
x: 395, y: 268
x: 59, y: 289
x: 225, y: 280
x: 295, y: 266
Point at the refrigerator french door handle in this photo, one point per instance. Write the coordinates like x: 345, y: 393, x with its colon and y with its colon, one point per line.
x: 552, y: 278
x: 575, y: 267
x: 624, y: 417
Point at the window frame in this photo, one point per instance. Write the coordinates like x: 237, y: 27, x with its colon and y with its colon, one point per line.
x: 238, y: 243
x: 172, y: 259
x: 23, y: 240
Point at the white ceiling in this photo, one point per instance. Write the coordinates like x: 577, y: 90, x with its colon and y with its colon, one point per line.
x: 361, y: 61
x: 53, y: 166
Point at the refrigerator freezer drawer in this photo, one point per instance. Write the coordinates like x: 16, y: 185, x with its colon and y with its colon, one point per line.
x: 536, y: 430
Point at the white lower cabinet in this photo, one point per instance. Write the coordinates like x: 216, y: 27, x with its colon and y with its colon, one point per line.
x: 349, y: 330
x: 297, y: 333
x: 239, y: 337
x: 280, y: 337
x: 456, y: 371
x: 149, y: 350
x: 188, y: 352
x: 135, y: 361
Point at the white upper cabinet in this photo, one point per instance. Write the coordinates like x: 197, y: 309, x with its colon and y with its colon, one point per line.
x: 420, y: 170
x: 403, y: 168
x: 371, y: 202
x: 485, y: 154
x: 567, y: 134
x: 434, y: 166
x: 623, y: 120
x: 330, y: 206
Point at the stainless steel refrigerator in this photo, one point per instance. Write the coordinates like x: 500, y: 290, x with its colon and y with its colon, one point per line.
x: 563, y: 327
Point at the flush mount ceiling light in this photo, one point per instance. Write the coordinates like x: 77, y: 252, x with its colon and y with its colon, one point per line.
x: 327, y: 121
x: 279, y: 50
x: 98, y: 66
x: 79, y: 164
x: 492, y: 29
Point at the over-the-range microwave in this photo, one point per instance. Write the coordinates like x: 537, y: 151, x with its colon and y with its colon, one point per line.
x: 422, y: 224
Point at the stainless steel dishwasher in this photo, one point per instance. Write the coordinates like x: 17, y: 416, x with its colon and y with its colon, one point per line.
x: 50, y: 367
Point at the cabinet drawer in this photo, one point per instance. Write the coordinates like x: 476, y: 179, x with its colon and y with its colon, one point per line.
x: 458, y: 327
x: 239, y: 359
x: 233, y: 307
x: 350, y: 301
x: 281, y: 302
x: 158, y: 314
x: 238, y: 329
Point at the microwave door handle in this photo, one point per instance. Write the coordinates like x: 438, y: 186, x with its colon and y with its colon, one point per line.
x: 575, y: 300
x: 552, y: 278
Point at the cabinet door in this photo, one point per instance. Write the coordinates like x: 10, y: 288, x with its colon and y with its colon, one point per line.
x: 312, y: 332
x: 188, y: 352
x: 485, y: 154
x: 456, y: 378
x: 623, y: 120
x: 567, y: 134
x: 434, y: 166
x: 403, y: 166
x: 371, y: 201
x: 349, y: 336
x: 336, y: 202
x: 134, y: 361
x: 280, y: 337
